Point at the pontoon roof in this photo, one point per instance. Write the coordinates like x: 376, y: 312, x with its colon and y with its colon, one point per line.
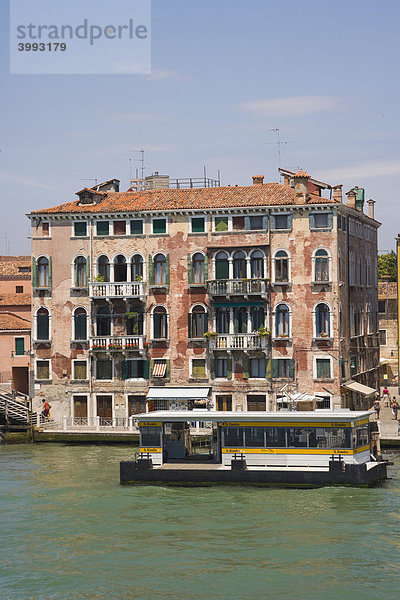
x: 237, y: 417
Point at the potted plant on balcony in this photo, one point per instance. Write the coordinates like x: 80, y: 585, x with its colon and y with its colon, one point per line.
x: 209, y: 334
x: 99, y: 278
x: 114, y: 346
x: 262, y: 331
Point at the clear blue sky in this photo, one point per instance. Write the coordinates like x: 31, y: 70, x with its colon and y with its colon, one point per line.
x: 224, y: 72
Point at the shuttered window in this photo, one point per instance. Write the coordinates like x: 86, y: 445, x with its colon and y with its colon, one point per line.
x: 19, y: 346
x: 80, y: 228
x: 102, y: 227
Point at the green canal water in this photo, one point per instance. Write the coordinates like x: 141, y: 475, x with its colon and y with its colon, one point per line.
x: 69, y: 531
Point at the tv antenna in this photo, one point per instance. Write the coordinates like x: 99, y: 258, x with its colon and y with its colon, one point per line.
x: 130, y: 165
x: 278, y: 143
x: 90, y: 179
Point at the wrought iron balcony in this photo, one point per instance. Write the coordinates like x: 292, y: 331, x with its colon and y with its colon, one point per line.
x: 135, y: 289
x: 238, y: 341
x: 118, y: 343
x: 238, y: 287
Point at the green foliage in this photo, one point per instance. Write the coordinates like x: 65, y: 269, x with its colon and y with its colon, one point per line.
x: 387, y: 266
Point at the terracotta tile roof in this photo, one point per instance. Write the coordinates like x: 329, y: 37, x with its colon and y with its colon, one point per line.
x: 15, y: 299
x: 269, y: 194
x: 9, y: 265
x: 302, y: 174
x: 10, y: 321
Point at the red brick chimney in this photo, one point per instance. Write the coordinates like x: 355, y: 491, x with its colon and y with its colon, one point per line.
x: 337, y: 193
x: 258, y: 179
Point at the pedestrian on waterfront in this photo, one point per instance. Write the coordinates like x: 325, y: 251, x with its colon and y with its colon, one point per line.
x: 46, y: 408
x: 395, y: 408
x: 385, y: 396
x: 377, y: 408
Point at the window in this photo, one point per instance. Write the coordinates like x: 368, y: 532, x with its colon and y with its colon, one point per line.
x: 19, y: 289
x: 198, y: 224
x: 45, y: 229
x: 382, y: 337
x: 137, y: 268
x: 102, y: 227
x: 257, y: 264
x: 221, y: 367
x: 134, y: 322
x: 80, y: 369
x: 221, y: 266
x: 42, y: 324
x: 256, y: 222
x: 103, y: 268
x: 150, y: 436
x: 136, y: 227
x: 283, y: 367
x: 198, y: 268
x: 282, y: 320
x: 160, y: 269
x: 80, y: 409
x: 221, y: 223
x: 321, y: 220
x: 239, y: 265
x: 321, y: 265
x: 43, y: 268
x: 257, y: 367
x: 254, y: 437
x: 160, y: 368
x: 120, y: 268
x: 42, y: 369
x: 238, y: 223
x: 323, y: 368
x: 279, y: 221
x: 256, y: 402
x: 197, y: 324
x: 80, y: 326
x: 257, y: 316
x: 240, y: 319
x: 134, y: 369
x: 80, y: 272
x: 104, y: 368
x: 281, y: 262
x: 382, y: 306
x: 160, y: 323
x: 80, y: 228
x: 159, y: 226
x: 199, y: 368
x: 19, y: 346
x: 119, y: 227
x: 103, y: 321
x: 222, y: 319
x: 322, y: 320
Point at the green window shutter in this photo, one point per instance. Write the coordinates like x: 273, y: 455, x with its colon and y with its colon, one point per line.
x: 146, y: 369
x: 168, y: 369
x: 50, y: 273
x: 190, y: 269
x: 291, y: 368
x: 229, y: 370
x: 87, y: 270
x: 167, y: 269
x: 159, y: 225
x: 274, y: 369
x: 34, y: 273
x: 236, y: 320
x: 265, y: 222
x: 124, y: 370
x: 151, y: 270
x: 205, y: 322
x: 268, y: 368
x: 330, y: 220
x: 19, y: 346
x: 151, y: 367
x: 75, y: 273
x: 311, y: 220
x: 198, y: 224
x: 80, y: 229
x: 212, y: 368
x: 290, y: 221
x: 102, y: 227
x: 137, y: 227
x: 247, y: 222
x: 273, y: 222
x: 246, y: 367
x: 189, y: 325
x: 205, y: 268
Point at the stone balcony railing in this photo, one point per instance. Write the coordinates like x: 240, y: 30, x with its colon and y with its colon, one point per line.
x: 118, y: 343
x: 238, y: 287
x: 238, y: 341
x: 136, y: 289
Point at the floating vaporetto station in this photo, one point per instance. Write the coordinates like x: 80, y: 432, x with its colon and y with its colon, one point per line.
x: 258, y: 448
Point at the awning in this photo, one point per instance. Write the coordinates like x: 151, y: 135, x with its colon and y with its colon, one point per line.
x: 178, y: 393
x: 159, y: 369
x: 354, y: 386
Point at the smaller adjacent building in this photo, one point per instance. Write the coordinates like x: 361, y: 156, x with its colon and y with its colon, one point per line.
x: 387, y: 309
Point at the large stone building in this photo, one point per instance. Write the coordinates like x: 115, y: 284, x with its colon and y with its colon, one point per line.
x: 237, y: 297
x: 387, y: 308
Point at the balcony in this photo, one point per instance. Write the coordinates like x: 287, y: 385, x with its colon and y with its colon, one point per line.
x: 238, y: 341
x: 135, y: 289
x: 237, y: 287
x: 128, y: 343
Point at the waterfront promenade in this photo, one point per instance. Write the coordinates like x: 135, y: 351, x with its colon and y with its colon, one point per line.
x: 388, y: 428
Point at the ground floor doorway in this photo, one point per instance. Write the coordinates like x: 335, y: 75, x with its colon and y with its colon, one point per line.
x: 104, y: 409
x: 20, y: 379
x: 224, y: 403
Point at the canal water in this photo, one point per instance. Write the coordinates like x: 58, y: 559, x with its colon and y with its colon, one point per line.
x: 69, y: 531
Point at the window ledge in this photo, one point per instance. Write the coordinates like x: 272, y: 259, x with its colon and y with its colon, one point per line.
x: 197, y: 233
x: 158, y: 235
x: 197, y: 285
x: 281, y: 230
x: 41, y: 237
x: 287, y: 283
x: 163, y: 286
x: 321, y: 283
x: 282, y: 339
x: 323, y: 380
x: 79, y: 237
x: 43, y: 381
x: 322, y: 339
x: 321, y: 228
x: 78, y: 381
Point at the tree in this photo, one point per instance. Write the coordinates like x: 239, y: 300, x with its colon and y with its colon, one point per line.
x: 387, y: 266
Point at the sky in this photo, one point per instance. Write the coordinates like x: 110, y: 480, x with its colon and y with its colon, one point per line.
x: 224, y: 74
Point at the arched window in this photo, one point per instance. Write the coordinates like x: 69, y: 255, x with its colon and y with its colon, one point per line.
x: 43, y: 272
x: 239, y: 265
x: 120, y: 268
x: 257, y: 264
x: 42, y: 324
x: 282, y: 321
x: 103, y: 268
x: 281, y: 266
x: 80, y: 270
x: 198, y: 268
x: 137, y: 268
x: 160, y: 323
x: 322, y: 320
x: 197, y: 322
x: 321, y: 265
x: 221, y: 266
x: 80, y: 324
x: 160, y: 269
x: 103, y: 321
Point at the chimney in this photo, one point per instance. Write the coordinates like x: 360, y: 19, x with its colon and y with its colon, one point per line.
x: 351, y: 199
x: 371, y: 208
x: 337, y: 193
x: 300, y: 180
x: 286, y: 180
x: 258, y: 179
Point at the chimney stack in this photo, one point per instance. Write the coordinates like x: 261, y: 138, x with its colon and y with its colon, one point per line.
x: 371, y: 208
x: 300, y: 180
x: 258, y: 179
x: 351, y: 199
x: 337, y: 193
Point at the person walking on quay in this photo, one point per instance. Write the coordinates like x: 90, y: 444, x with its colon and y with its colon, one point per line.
x: 46, y: 408
x: 386, y: 397
x: 395, y: 408
x: 377, y: 407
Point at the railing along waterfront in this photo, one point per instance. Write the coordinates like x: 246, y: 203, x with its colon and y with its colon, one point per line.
x: 237, y: 341
x: 240, y: 287
x: 135, y: 289
x: 117, y: 343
